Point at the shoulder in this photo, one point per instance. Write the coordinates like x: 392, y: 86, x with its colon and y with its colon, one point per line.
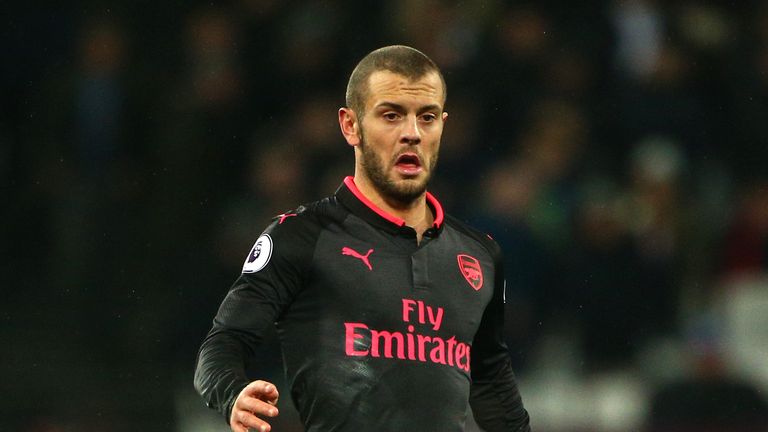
x: 292, y: 235
x: 305, y: 219
x: 473, y: 234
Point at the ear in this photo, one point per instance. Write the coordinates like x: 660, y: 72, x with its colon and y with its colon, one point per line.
x: 445, y: 116
x: 348, y: 122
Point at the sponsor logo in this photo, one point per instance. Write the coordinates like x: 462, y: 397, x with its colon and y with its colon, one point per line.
x: 260, y: 254
x: 417, y: 342
x: 364, y: 258
x: 471, y: 270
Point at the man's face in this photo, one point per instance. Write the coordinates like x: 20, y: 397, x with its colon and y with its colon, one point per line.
x: 400, y: 133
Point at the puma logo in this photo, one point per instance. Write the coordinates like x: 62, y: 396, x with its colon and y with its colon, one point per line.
x: 353, y: 253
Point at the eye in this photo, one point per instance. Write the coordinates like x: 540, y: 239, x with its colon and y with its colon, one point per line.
x: 391, y: 116
x: 429, y: 117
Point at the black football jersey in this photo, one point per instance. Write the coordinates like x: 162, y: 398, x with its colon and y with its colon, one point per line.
x: 379, y: 332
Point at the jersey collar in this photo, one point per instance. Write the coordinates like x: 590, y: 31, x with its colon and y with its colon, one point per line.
x: 352, y: 198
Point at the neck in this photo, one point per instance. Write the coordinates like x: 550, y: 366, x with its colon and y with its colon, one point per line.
x: 415, y: 213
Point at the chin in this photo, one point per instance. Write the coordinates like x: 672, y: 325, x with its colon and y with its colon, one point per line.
x: 408, y: 189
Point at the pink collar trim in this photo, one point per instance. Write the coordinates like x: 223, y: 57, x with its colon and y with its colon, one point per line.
x: 431, y: 201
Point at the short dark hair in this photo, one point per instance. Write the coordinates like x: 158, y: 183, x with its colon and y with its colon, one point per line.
x: 402, y: 60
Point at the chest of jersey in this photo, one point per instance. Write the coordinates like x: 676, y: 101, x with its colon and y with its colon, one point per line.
x: 376, y: 295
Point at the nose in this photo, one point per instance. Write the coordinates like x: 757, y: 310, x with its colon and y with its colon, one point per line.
x: 411, y: 134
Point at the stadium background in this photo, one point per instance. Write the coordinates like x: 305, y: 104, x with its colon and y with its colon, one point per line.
x: 616, y: 149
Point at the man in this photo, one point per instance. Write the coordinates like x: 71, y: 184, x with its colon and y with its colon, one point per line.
x: 389, y: 312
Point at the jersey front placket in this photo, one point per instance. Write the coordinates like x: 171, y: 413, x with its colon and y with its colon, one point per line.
x: 420, y: 262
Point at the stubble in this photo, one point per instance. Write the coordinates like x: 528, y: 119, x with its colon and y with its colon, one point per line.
x: 404, y: 192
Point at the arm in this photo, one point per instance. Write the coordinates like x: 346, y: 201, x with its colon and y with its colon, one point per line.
x: 256, y: 300
x: 238, y: 331
x: 494, y: 396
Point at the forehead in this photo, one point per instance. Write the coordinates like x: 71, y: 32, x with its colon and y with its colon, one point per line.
x: 385, y: 85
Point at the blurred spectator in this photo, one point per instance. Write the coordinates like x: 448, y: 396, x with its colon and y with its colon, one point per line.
x: 527, y: 206
x: 570, y: 76
x: 509, y: 191
x: 449, y: 30
x: 708, y: 400
x: 639, y: 33
x: 200, y: 148
x: 552, y: 143
x: 656, y: 209
x: 309, y: 57
x: 519, y: 46
x: 600, y: 281
x: 747, y: 82
x: 745, y: 251
x: 665, y: 102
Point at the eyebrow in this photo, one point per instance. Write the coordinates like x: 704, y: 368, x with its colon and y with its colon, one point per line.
x: 398, y: 107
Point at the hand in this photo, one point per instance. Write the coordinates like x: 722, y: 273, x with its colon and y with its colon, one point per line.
x: 256, y: 399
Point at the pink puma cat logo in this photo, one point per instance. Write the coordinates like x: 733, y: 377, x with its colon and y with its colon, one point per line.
x: 353, y: 253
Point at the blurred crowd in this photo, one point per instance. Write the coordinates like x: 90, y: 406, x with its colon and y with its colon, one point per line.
x: 617, y: 151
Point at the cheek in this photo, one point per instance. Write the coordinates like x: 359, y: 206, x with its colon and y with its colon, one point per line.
x: 372, y: 150
x: 382, y: 143
x: 434, y: 144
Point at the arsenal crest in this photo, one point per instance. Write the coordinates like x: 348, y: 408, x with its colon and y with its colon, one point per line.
x: 470, y: 269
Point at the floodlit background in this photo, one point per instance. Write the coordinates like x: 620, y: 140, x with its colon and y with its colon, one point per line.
x: 618, y: 151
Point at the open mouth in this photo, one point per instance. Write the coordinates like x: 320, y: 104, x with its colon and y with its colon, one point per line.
x: 408, y: 164
x: 408, y: 161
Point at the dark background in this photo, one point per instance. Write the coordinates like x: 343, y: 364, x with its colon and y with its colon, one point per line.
x: 617, y: 151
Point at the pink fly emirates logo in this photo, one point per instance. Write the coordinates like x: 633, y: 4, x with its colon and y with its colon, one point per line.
x: 410, y: 344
